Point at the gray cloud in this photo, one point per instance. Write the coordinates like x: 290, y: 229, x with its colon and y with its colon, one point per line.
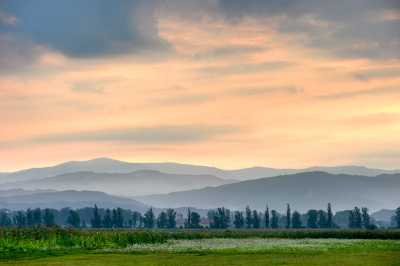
x: 228, y: 51
x: 235, y: 10
x: 184, y: 99
x: 376, y: 91
x: 246, y: 68
x: 86, y: 28
x: 258, y: 91
x: 347, y: 28
x: 381, y: 72
x: 154, y: 134
x: 87, y: 87
x: 17, y: 54
x: 361, y: 77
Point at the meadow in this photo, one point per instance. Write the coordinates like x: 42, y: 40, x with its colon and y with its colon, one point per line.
x: 44, y: 245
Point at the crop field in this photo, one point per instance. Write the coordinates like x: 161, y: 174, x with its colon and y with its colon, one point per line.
x: 56, y: 246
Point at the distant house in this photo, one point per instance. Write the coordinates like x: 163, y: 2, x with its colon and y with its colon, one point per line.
x: 203, y: 223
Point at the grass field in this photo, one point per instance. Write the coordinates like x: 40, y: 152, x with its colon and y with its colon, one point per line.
x: 56, y: 246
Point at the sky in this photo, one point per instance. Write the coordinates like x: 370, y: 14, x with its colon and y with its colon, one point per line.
x: 228, y: 83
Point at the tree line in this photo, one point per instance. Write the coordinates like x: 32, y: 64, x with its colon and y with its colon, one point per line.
x: 218, y: 219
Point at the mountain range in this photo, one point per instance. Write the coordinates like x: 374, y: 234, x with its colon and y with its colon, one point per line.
x: 141, y: 182
x: 176, y: 185
x: 303, y: 191
x: 105, y: 165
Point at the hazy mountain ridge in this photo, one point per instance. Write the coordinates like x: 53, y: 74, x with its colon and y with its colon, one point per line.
x: 20, y: 191
x: 141, y: 182
x: 69, y: 196
x: 303, y: 191
x: 383, y: 215
x: 81, y: 199
x: 105, y: 165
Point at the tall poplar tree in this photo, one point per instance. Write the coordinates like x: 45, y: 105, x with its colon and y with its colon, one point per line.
x: 107, y: 220
x: 188, y: 222
x: 96, y: 220
x: 352, y: 222
x: 365, y: 217
x: 120, y: 218
x: 357, y: 217
x: 266, y: 217
x: 248, y: 217
x: 149, y: 218
x: 239, y: 220
x: 329, y: 219
x: 20, y: 219
x: 256, y: 220
x: 114, y: 218
x: 162, y: 220
x: 48, y: 217
x: 37, y: 216
x: 274, y: 220
x: 287, y: 226
x: 29, y: 218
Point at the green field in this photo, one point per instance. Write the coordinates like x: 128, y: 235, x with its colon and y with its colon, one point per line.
x: 53, y: 246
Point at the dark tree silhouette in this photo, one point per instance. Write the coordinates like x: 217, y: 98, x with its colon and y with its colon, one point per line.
x: 221, y: 220
x: 107, y: 219
x: 195, y: 220
x: 322, y: 223
x: 5, y: 220
x: 248, y: 218
x: 287, y: 226
x: 37, y: 216
x: 365, y: 217
x: 239, y: 220
x: 74, y: 219
x: 29, y: 218
x: 274, y: 220
x: 188, y: 222
x: 296, y: 220
x: 19, y: 219
x: 397, y: 217
x: 256, y: 220
x: 120, y: 218
x: 312, y: 219
x: 96, y: 220
x: 352, y: 221
x: 48, y: 217
x: 171, y: 216
x: 149, y: 218
x: 329, y: 219
x: 162, y: 220
x: 266, y: 217
x: 357, y: 217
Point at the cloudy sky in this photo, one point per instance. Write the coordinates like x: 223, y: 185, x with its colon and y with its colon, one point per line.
x: 228, y: 83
